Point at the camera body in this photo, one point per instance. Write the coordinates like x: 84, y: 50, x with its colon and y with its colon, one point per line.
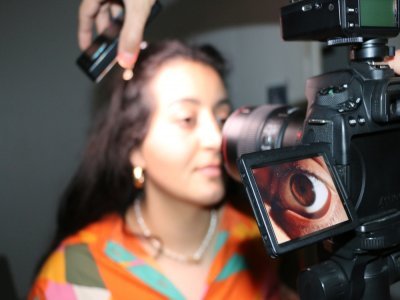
x: 355, y: 112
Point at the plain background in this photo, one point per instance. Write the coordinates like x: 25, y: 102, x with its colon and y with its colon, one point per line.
x: 46, y: 102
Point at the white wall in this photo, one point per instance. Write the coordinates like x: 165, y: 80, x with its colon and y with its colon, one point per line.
x: 261, y: 59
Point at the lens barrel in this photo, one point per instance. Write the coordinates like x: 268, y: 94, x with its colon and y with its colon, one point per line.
x: 256, y: 128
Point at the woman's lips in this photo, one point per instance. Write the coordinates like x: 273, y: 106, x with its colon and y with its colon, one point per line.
x: 210, y: 170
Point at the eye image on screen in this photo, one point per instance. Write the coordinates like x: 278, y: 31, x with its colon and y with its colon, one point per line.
x: 300, y: 197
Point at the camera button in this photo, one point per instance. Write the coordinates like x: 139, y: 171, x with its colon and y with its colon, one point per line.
x: 352, y: 121
x: 317, y: 122
x: 306, y: 7
x: 350, y: 105
x: 361, y: 120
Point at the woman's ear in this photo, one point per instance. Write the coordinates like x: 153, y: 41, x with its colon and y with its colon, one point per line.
x: 136, y: 158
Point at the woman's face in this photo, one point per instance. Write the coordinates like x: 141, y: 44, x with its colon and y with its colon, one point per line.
x: 181, y: 151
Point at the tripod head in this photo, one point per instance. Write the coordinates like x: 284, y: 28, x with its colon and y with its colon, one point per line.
x: 372, y: 50
x: 362, y: 267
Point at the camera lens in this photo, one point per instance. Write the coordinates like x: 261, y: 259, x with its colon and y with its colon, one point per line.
x: 266, y: 127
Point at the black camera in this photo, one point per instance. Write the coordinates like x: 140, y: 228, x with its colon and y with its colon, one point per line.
x: 330, y: 173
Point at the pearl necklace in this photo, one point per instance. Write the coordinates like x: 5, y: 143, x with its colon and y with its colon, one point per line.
x: 156, y: 244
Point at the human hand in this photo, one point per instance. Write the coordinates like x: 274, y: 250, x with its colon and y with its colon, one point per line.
x: 394, y: 62
x: 99, y: 13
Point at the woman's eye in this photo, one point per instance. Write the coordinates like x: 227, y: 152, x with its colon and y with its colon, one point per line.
x: 304, y: 194
x: 222, y: 116
x: 187, y: 121
x: 221, y: 120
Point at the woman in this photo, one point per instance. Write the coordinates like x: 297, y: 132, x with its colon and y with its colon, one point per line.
x: 145, y: 217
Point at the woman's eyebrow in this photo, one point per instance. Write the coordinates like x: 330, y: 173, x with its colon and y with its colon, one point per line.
x: 194, y: 101
x: 224, y: 101
x: 185, y: 100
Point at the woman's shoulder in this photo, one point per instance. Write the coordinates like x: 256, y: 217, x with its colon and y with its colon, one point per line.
x: 95, y: 233
x: 73, y: 265
x: 70, y: 270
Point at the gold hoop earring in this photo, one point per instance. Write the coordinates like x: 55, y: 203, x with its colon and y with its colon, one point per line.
x: 138, y: 177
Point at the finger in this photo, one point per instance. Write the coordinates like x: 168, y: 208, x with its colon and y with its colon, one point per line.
x: 394, y: 62
x: 116, y: 10
x: 103, y: 18
x: 136, y: 14
x: 87, y: 14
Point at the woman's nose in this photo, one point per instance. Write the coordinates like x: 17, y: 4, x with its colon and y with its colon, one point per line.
x: 211, y: 134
